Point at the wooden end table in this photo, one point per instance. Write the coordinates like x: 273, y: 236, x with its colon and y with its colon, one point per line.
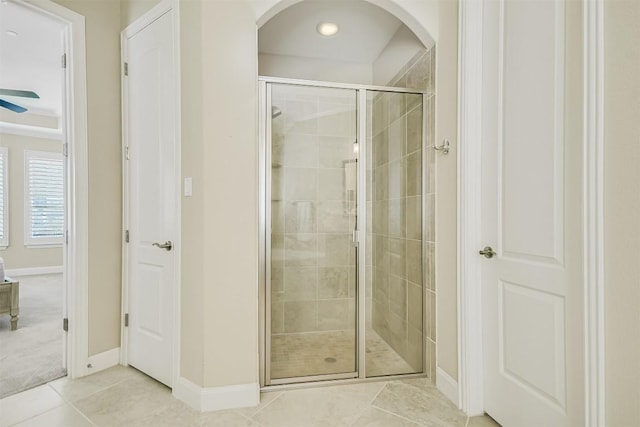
x: 9, y: 300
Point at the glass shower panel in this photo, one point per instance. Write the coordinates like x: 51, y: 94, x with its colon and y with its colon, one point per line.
x: 394, y: 260
x: 313, y: 214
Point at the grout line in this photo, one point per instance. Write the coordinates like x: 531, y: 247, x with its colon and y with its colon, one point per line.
x: 398, y: 415
x: 378, y: 393
x: 82, y: 414
x: 93, y: 392
x: 267, y: 405
x: 71, y: 404
x: 34, y: 415
x: 369, y: 405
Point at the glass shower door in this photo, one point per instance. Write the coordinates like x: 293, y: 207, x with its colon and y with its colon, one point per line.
x: 311, y: 217
x: 395, y: 327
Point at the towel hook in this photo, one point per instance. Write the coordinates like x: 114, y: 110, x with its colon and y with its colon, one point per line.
x: 444, y: 147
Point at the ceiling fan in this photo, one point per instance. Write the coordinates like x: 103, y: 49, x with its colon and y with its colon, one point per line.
x: 13, y: 92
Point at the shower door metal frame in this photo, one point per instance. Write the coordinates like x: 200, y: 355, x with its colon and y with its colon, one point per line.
x: 264, y: 291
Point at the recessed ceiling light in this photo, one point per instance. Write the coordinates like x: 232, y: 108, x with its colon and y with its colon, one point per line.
x: 11, y: 33
x: 327, y: 29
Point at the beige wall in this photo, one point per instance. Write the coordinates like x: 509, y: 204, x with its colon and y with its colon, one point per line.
x: 622, y: 212
x: 130, y: 10
x: 230, y: 176
x: 17, y: 255
x: 296, y: 67
x: 102, y: 21
x: 193, y: 258
x: 446, y: 187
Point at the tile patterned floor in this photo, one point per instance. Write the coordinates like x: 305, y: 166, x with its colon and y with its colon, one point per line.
x: 125, y: 397
x: 294, y: 355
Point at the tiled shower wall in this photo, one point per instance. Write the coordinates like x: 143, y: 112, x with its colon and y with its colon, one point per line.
x: 400, y: 286
x: 313, y: 210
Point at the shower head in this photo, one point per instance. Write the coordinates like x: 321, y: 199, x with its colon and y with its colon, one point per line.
x: 275, y: 112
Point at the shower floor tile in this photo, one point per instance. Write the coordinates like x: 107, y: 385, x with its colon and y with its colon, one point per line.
x: 318, y: 353
x: 315, y: 353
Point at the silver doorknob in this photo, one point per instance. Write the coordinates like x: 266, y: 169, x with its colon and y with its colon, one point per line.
x: 488, y: 252
x: 166, y: 245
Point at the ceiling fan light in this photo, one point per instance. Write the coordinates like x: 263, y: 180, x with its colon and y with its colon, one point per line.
x: 327, y: 29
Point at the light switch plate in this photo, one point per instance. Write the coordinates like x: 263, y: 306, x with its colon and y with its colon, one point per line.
x: 188, y: 187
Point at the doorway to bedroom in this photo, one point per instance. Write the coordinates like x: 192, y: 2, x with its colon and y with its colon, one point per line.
x: 32, y: 198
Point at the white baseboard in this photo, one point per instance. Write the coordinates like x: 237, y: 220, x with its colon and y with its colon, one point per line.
x: 206, y: 399
x: 33, y: 271
x: 101, y: 361
x: 447, y: 385
x: 188, y: 392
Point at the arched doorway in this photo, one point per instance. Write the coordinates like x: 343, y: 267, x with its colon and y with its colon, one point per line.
x: 349, y: 197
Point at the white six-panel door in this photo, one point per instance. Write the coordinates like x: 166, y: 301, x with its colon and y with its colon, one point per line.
x: 152, y: 201
x: 531, y: 196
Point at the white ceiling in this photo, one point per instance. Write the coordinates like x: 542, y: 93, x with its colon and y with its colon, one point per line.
x: 365, y: 30
x: 32, y: 60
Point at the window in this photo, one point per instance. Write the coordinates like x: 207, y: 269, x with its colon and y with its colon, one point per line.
x: 4, y: 201
x: 44, y: 198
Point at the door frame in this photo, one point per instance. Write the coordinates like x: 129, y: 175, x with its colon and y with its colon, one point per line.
x: 470, y: 58
x: 164, y: 7
x: 75, y: 252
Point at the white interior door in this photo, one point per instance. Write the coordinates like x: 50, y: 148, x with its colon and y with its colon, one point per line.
x: 531, y: 189
x: 152, y: 200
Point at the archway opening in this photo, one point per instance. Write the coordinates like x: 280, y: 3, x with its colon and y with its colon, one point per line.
x: 371, y: 46
x: 349, y: 234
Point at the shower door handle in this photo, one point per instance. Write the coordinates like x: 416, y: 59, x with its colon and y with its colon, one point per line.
x: 166, y: 245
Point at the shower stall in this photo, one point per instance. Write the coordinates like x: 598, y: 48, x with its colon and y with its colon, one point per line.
x: 347, y: 230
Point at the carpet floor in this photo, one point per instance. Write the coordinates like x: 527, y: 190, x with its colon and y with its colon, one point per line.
x: 32, y: 354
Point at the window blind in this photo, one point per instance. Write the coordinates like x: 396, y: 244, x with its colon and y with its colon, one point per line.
x: 45, y: 196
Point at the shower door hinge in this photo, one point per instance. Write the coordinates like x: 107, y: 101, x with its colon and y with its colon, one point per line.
x: 65, y: 324
x: 64, y: 60
x: 126, y: 68
x: 126, y: 236
x: 126, y: 320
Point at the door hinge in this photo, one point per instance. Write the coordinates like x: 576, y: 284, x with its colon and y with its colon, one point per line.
x: 66, y: 237
x: 65, y: 149
x: 126, y: 68
x: 64, y: 60
x: 126, y: 320
x: 65, y: 324
x: 126, y: 236
x: 126, y: 152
